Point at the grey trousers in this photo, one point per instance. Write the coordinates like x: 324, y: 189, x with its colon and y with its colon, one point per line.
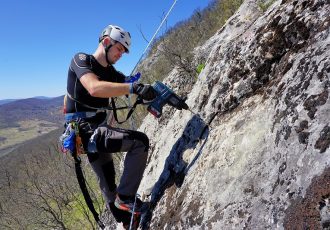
x: 109, y: 140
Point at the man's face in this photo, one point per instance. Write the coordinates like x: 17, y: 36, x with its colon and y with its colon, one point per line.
x: 115, y: 52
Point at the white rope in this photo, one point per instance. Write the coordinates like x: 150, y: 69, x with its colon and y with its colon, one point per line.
x: 132, y: 217
x: 153, y: 37
x: 129, y: 101
x: 133, y: 126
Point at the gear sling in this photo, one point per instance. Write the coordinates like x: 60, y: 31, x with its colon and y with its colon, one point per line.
x: 71, y: 142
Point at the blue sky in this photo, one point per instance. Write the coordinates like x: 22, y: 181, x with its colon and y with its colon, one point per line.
x: 39, y: 37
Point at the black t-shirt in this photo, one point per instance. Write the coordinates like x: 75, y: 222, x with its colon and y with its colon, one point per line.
x: 81, y: 64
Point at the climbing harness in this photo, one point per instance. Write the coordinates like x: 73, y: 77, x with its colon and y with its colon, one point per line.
x: 112, y: 107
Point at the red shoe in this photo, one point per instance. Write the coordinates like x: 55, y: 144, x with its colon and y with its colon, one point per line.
x: 129, y: 204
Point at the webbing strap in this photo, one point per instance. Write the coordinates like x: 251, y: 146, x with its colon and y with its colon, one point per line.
x: 114, y: 108
x: 83, y: 187
x: 138, y: 101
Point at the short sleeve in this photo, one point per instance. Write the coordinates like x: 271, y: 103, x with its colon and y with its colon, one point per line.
x: 81, y: 64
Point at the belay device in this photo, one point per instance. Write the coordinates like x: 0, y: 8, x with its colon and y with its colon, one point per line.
x: 165, y: 96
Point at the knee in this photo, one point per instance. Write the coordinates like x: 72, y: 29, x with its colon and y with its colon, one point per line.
x: 143, y: 139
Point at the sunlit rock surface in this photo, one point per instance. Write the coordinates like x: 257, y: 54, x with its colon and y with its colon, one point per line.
x: 256, y: 153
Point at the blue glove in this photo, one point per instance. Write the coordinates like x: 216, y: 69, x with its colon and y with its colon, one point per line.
x: 134, y: 78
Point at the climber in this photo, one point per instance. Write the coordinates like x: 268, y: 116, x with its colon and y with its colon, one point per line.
x: 92, y: 80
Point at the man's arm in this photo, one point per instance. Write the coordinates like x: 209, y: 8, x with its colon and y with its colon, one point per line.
x: 103, y: 89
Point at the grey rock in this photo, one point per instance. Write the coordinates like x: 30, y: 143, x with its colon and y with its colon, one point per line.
x: 257, y: 154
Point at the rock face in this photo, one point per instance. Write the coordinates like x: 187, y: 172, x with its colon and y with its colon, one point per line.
x: 256, y: 153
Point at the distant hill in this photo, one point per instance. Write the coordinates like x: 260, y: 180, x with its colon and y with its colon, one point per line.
x: 33, y: 146
x: 25, y: 119
x: 5, y: 101
x: 39, y: 108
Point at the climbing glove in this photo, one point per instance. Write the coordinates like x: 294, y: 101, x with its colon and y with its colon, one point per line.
x: 145, y: 91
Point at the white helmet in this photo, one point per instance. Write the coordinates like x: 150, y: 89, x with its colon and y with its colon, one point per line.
x: 118, y: 34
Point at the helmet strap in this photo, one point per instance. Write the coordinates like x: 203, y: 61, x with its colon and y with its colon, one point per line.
x: 106, y: 49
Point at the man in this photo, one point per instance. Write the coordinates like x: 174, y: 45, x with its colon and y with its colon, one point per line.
x: 92, y: 80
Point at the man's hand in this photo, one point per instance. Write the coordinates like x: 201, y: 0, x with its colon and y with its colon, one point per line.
x: 146, y: 92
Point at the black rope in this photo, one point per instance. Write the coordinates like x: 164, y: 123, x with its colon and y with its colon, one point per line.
x: 138, y: 101
x: 83, y: 187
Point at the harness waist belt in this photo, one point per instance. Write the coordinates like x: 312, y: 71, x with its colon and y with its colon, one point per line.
x: 72, y: 116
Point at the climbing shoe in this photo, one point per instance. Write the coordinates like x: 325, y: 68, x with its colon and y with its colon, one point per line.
x: 134, y: 225
x: 129, y: 204
x: 129, y: 222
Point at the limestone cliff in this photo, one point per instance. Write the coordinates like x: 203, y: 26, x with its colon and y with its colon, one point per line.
x: 256, y: 153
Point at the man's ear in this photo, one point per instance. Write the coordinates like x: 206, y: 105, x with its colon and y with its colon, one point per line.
x: 106, y: 42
